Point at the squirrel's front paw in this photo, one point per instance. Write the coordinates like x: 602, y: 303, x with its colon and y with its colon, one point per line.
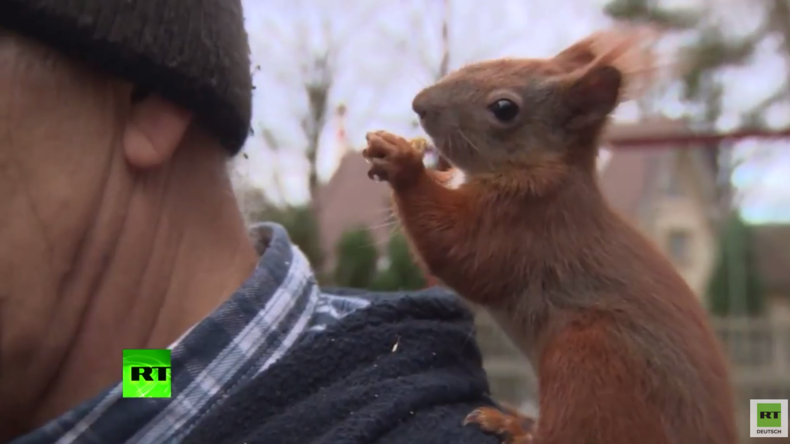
x: 510, y: 425
x: 392, y: 158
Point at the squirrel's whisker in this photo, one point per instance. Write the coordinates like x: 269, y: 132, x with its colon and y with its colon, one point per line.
x: 468, y: 141
x: 385, y: 224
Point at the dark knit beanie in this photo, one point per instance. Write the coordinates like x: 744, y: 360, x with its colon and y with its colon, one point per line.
x: 193, y: 52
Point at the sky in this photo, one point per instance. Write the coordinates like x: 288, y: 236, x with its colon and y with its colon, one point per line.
x: 387, y: 49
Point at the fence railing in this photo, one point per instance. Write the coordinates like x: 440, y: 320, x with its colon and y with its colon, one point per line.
x: 759, y: 353
x: 756, y: 346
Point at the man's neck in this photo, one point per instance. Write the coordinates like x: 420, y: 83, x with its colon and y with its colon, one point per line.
x: 153, y: 264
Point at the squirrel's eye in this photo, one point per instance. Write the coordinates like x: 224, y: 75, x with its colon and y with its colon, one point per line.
x: 504, y: 110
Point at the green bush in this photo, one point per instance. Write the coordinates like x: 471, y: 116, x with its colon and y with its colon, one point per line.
x: 357, y: 257
x: 302, y: 226
x: 402, y: 272
x: 735, y: 287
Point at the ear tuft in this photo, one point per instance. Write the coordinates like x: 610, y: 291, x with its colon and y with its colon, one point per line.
x: 627, y: 49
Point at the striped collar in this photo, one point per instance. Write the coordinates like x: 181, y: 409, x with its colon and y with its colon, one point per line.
x: 248, y: 333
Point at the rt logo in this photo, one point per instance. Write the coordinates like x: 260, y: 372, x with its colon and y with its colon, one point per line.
x: 146, y: 373
x: 768, y: 418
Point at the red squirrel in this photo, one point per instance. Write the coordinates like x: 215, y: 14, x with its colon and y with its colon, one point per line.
x: 622, y: 348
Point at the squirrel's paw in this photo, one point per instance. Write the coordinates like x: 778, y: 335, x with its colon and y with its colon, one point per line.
x: 392, y: 158
x: 510, y: 426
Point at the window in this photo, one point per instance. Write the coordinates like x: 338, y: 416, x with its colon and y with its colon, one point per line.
x: 674, y: 188
x: 673, y: 184
x: 679, y: 246
x: 751, y: 349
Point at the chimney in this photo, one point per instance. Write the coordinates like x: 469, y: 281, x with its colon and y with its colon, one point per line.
x: 342, y: 139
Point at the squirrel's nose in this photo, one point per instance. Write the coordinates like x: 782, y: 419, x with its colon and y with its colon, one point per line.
x: 420, y: 109
x: 420, y: 105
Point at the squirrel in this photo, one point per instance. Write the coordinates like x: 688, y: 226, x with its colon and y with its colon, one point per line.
x: 622, y: 347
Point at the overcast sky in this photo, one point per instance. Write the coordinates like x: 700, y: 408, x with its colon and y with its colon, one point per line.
x: 386, y: 50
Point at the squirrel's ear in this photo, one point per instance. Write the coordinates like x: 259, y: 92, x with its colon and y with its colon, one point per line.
x: 592, y: 96
x: 608, y: 67
x: 577, y: 55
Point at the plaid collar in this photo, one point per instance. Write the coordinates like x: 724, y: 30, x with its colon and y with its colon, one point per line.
x: 257, y: 325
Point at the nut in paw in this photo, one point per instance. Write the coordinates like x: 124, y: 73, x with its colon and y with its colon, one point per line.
x: 392, y: 158
x: 513, y: 428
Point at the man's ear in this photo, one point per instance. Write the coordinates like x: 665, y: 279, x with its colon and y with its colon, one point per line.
x: 153, y: 131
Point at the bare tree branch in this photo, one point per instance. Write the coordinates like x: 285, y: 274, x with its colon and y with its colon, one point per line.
x: 754, y: 117
x: 413, y: 47
x: 716, y: 48
x: 444, y: 61
x: 316, y: 66
x: 274, y: 145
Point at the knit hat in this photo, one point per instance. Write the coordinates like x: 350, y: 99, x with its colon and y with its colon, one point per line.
x: 193, y: 52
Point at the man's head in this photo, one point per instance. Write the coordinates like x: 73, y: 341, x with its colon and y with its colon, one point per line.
x: 120, y: 229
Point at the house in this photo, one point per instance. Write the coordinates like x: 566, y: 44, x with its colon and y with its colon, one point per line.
x: 669, y: 193
x: 772, y: 247
x: 349, y: 200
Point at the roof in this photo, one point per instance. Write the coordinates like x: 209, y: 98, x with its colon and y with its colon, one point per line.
x: 351, y: 199
x: 634, y: 172
x: 652, y: 128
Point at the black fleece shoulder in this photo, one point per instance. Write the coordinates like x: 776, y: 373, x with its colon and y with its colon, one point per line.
x: 406, y: 369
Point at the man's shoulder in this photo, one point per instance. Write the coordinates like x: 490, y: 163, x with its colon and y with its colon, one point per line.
x: 438, y: 300
x: 405, y: 368
x: 436, y: 292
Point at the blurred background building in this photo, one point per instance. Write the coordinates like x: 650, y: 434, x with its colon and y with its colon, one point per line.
x: 701, y: 165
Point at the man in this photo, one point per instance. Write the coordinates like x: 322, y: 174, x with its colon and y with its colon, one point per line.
x: 120, y: 231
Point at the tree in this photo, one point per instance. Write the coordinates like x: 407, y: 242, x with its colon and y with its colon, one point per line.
x: 714, y: 50
x: 440, y: 47
x: 251, y: 200
x: 735, y: 287
x: 302, y: 227
x: 306, y: 47
x: 713, y: 47
x: 402, y: 273
x: 357, y: 258
x: 315, y: 77
x: 298, y: 220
